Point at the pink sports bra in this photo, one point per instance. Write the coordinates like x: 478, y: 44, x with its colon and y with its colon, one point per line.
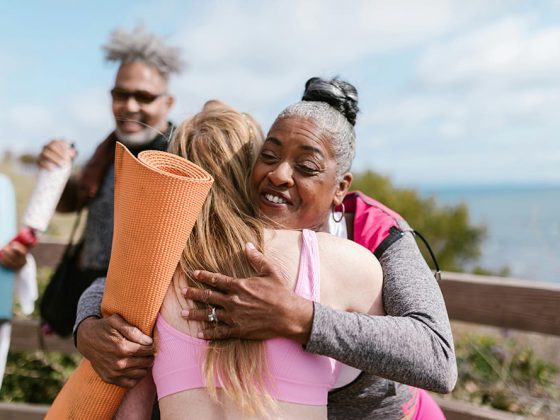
x: 296, y: 376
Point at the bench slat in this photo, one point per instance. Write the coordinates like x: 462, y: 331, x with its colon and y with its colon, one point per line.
x: 22, y: 411
x: 26, y: 336
x: 503, y: 302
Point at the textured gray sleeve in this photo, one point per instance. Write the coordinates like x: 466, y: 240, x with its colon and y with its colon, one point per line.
x: 89, y: 303
x: 412, y: 344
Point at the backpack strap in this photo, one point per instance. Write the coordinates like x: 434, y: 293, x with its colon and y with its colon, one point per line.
x: 377, y: 227
x: 437, y: 274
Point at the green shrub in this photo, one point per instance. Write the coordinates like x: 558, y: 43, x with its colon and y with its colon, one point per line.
x: 454, y: 239
x: 36, y: 377
x: 505, y: 375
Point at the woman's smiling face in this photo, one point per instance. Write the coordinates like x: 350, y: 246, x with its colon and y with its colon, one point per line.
x: 295, y: 175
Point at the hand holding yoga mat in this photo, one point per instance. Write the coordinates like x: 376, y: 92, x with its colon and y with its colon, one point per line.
x: 157, y: 200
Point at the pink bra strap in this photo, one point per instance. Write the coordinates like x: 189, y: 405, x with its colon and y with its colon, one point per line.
x: 309, y: 276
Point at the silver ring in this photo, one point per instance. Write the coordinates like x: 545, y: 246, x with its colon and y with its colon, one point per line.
x: 212, y: 316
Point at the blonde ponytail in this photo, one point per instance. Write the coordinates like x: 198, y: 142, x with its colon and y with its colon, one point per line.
x: 225, y: 142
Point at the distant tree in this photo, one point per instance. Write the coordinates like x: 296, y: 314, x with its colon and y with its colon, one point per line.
x: 504, y: 271
x: 454, y: 240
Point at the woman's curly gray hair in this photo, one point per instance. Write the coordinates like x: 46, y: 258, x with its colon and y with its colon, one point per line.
x: 141, y: 45
x: 333, y: 106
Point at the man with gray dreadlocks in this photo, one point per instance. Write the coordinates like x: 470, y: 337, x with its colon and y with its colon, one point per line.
x: 140, y: 104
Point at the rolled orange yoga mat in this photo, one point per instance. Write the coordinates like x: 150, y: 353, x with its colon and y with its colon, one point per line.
x: 157, y: 200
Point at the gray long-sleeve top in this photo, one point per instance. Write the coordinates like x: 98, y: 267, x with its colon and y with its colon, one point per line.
x: 413, y: 344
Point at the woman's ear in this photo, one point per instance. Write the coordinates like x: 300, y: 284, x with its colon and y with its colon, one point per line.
x: 342, y: 188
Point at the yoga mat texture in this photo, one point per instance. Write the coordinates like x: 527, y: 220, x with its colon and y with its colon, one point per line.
x: 157, y: 200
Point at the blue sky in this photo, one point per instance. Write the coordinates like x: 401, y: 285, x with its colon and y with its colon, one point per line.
x: 451, y: 92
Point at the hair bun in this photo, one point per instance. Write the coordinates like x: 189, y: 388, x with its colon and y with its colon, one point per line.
x: 339, y: 94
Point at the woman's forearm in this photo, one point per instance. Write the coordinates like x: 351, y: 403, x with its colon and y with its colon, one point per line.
x: 413, y: 344
x: 138, y: 401
x: 89, y: 304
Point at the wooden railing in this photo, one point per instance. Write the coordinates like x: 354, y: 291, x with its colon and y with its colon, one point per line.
x: 495, y: 301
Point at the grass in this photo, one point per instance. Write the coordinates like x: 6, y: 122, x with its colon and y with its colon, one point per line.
x: 506, y: 375
x: 36, y: 377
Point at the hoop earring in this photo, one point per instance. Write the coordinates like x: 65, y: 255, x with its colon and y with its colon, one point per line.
x: 341, y: 214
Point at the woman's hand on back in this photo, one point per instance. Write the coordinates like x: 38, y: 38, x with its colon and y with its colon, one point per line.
x: 256, y: 308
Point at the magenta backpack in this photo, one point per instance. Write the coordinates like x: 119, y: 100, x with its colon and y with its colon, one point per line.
x: 377, y: 227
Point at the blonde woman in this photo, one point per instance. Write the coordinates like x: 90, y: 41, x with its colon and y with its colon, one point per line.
x: 236, y: 378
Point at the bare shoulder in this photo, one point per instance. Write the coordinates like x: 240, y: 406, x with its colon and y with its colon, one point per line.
x: 282, y: 244
x: 352, y: 275
x: 346, y: 251
x: 282, y: 248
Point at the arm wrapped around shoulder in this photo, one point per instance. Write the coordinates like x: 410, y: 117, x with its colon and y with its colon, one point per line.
x: 412, y: 344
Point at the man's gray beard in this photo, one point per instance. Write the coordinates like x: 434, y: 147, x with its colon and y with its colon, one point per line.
x: 139, y: 138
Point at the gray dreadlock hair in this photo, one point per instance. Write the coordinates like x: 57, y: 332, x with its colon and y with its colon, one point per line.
x: 141, y: 45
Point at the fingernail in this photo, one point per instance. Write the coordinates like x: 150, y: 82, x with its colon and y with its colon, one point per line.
x: 146, y: 340
x: 250, y: 246
x: 196, y: 273
x: 185, y: 312
x: 200, y: 335
x: 185, y: 290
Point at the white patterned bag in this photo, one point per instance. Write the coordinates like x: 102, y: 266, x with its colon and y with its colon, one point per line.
x: 45, y: 197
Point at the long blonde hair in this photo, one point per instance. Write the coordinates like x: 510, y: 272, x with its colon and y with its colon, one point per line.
x: 224, y: 142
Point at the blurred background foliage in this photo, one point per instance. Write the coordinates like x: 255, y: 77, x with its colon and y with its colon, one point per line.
x: 453, y: 238
x: 505, y: 375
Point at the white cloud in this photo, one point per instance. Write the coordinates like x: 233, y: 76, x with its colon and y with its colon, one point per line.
x: 483, y: 109
x: 91, y: 107
x: 257, y: 55
x: 477, y: 107
x: 296, y: 33
x: 513, y: 50
x: 417, y: 109
x: 83, y: 118
x: 482, y: 85
x: 23, y: 124
x: 475, y: 136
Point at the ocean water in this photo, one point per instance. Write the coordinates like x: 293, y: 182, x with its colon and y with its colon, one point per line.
x: 523, y: 227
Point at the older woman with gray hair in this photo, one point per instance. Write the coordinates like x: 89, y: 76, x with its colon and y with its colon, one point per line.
x: 312, y: 144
